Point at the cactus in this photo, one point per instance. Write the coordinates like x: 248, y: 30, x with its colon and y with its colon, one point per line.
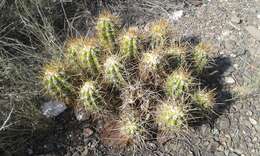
x: 150, y: 65
x: 87, y: 57
x: 178, y: 83
x: 158, y: 32
x: 72, y: 47
x: 113, y: 71
x: 200, y: 57
x: 55, y: 81
x: 137, y: 68
x: 129, y: 126
x: 170, y: 116
x: 90, y: 97
x: 176, y: 54
x: 107, y: 30
x: 129, y: 43
x: 204, y: 99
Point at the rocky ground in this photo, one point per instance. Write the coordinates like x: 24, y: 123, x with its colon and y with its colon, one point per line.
x: 233, y: 28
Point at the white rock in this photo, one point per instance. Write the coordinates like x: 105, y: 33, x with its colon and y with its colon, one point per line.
x: 176, y: 15
x: 253, y: 121
x: 229, y: 80
x: 53, y: 108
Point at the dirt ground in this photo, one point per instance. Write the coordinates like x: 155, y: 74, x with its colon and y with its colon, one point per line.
x: 233, y: 28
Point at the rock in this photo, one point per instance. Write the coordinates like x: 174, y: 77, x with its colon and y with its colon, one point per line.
x: 229, y: 80
x: 53, y: 108
x: 253, y: 31
x: 80, y: 113
x: 176, y: 15
x: 219, y: 153
x: 87, y: 132
x: 253, y: 121
x: 85, y: 152
x: 236, y: 19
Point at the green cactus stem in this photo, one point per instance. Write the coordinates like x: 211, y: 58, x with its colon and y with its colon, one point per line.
x: 107, y: 30
x: 169, y: 116
x: 129, y: 43
x: 204, y: 99
x: 200, y: 57
x: 178, y: 83
x: 113, y: 71
x: 90, y: 97
x: 158, y: 32
x: 88, y: 58
x: 55, y: 80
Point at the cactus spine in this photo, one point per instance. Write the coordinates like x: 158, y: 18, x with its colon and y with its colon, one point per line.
x: 129, y: 43
x: 106, y: 30
x: 90, y: 97
x: 113, y: 71
x: 178, y: 83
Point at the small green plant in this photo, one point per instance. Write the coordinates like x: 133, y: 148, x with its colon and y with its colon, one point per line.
x: 158, y: 71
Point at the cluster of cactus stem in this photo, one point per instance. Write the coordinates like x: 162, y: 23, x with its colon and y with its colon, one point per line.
x: 105, y: 82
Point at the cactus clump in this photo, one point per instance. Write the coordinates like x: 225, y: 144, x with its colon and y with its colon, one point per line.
x: 88, y: 56
x: 204, y: 99
x: 55, y: 80
x: 178, y: 83
x: 170, y: 116
x: 107, y: 30
x: 113, y: 71
x: 129, y: 43
x: 159, y: 33
x: 90, y: 97
x: 200, y: 57
x: 133, y: 71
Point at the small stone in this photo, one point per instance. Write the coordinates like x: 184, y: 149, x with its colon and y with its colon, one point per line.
x: 80, y: 113
x: 253, y: 31
x: 53, y: 108
x: 235, y: 66
x: 85, y: 152
x: 235, y: 19
x: 176, y: 15
x: 229, y: 80
x: 88, y: 132
x: 253, y: 121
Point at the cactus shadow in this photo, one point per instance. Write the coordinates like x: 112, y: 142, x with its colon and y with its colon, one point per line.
x: 212, y: 78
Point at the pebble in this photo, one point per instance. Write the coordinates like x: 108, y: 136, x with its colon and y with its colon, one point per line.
x: 235, y: 19
x: 229, y: 80
x: 253, y: 121
x: 53, y: 108
x: 81, y: 114
x: 176, y: 15
x: 253, y: 31
x: 88, y: 132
